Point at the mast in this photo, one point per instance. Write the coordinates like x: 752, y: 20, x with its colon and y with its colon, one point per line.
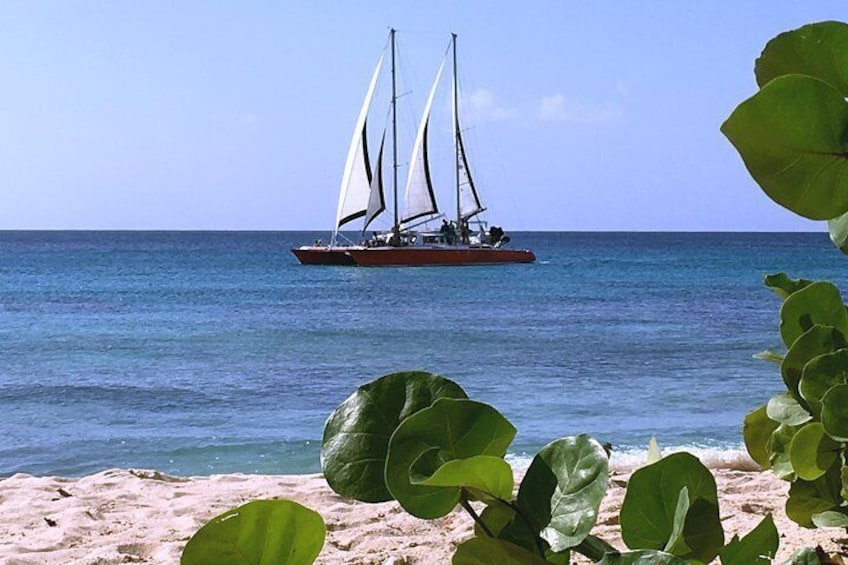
x: 467, y: 200
x: 456, y: 130
x: 396, y: 225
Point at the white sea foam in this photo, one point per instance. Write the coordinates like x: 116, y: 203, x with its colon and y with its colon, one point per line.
x: 733, y: 459
x: 627, y: 460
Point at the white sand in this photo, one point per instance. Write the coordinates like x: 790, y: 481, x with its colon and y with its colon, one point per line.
x: 120, y: 516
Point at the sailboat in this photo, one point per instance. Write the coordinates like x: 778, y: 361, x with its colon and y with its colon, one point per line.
x: 464, y: 240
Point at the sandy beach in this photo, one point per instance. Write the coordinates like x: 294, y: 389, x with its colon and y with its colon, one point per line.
x: 124, y: 516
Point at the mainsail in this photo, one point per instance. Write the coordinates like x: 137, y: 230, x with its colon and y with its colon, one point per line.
x: 376, y: 200
x: 355, y: 191
x: 469, y: 201
x: 419, y: 198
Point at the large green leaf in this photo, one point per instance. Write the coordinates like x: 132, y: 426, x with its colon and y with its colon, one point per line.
x: 785, y: 409
x: 818, y: 50
x: 791, y: 136
x: 812, y: 452
x: 488, y: 551
x: 356, y: 435
x: 820, y: 375
x: 778, y: 447
x: 651, y: 501
x: 642, y: 557
x: 449, y: 429
x: 835, y: 412
x: 782, y: 285
x: 756, y: 431
x: 831, y: 519
x: 563, y: 488
x: 756, y: 548
x: 487, y: 477
x: 808, y: 498
x: 817, y: 304
x: 262, y: 532
x: 818, y: 340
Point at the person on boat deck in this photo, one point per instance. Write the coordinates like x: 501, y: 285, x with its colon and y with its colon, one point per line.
x: 448, y: 231
x: 395, y: 240
x: 464, y: 232
x: 495, y: 234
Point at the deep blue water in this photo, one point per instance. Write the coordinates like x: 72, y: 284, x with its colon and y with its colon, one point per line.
x: 199, y: 353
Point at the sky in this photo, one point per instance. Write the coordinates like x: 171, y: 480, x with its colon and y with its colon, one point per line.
x: 238, y: 115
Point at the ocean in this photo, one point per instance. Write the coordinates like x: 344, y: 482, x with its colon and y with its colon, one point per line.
x: 198, y: 353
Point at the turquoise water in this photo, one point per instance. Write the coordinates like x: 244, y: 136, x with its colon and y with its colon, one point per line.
x: 199, y: 353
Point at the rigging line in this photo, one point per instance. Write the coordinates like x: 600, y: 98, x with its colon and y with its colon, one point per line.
x: 404, y: 68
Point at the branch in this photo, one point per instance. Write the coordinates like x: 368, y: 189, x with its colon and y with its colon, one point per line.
x: 465, y: 504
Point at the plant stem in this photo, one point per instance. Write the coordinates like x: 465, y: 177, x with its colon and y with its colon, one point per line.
x: 539, y: 548
x: 594, y: 548
x: 465, y: 504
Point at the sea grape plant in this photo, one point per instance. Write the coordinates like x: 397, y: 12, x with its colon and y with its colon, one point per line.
x: 801, y: 434
x: 417, y: 438
x: 792, y: 134
x: 793, y: 137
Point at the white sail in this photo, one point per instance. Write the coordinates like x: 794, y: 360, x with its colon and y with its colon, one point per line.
x: 376, y: 200
x: 419, y: 199
x: 356, y: 181
x: 469, y: 201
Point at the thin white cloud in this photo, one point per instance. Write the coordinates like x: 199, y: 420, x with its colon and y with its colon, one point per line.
x: 558, y: 108
x: 482, y: 106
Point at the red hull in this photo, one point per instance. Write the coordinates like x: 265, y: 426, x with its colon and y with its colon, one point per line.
x: 323, y: 255
x: 438, y: 256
